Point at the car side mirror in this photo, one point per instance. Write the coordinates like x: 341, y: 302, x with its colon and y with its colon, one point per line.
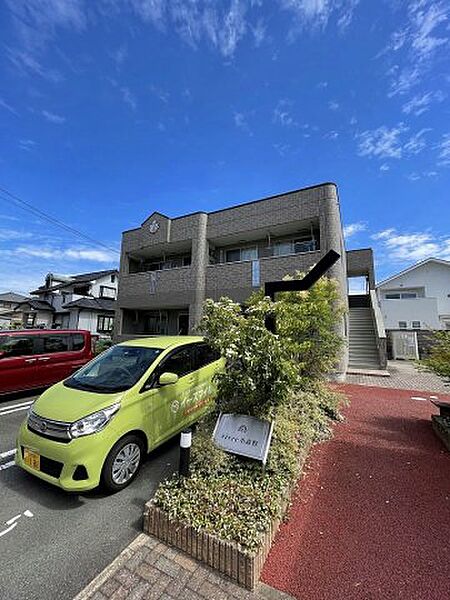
x: 168, y: 378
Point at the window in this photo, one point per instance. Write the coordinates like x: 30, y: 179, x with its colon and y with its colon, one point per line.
x: 56, y: 343
x: 402, y: 324
x: 282, y: 248
x: 30, y: 319
x: 107, y: 292
x: 205, y: 356
x: 180, y: 362
x: 119, y: 368
x: 11, y: 346
x: 105, y: 324
x: 304, y: 246
x: 77, y: 341
x: 238, y: 254
x: 113, y: 278
x: 400, y: 295
x: 233, y: 255
x: 249, y: 253
x: 415, y: 324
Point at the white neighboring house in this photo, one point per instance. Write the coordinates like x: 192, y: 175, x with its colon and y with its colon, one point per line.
x: 418, y: 297
x: 85, y: 301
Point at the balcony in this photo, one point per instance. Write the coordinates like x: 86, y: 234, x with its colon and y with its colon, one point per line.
x: 238, y: 280
x: 170, y: 288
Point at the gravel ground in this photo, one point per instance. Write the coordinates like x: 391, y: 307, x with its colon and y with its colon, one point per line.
x: 371, y: 517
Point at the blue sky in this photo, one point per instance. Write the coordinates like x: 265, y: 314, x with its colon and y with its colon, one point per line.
x: 115, y: 108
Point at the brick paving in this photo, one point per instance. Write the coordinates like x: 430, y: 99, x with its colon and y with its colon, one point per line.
x: 403, y: 376
x: 149, y: 569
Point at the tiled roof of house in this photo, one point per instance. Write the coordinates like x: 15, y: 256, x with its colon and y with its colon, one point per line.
x: 100, y: 304
x: 36, y: 304
x: 82, y: 278
x: 12, y: 297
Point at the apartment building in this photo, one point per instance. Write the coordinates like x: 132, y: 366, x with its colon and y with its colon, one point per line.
x: 169, y: 266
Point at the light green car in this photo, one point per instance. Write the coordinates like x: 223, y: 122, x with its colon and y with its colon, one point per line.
x: 97, y: 426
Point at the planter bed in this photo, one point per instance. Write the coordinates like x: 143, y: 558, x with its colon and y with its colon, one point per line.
x: 441, y: 427
x: 229, y: 558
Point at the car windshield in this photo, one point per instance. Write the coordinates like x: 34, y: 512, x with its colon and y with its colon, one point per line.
x: 117, y: 369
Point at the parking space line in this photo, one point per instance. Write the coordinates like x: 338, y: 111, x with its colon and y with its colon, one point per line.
x: 13, y: 410
x: 8, y: 453
x: 27, y: 403
x: 7, y: 465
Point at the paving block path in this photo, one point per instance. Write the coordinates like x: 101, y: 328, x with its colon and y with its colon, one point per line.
x: 149, y: 569
x: 371, y: 518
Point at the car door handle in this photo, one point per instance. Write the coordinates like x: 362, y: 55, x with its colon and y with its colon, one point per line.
x: 44, y: 358
x: 30, y: 360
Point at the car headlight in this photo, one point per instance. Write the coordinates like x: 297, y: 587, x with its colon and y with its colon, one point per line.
x: 93, y: 423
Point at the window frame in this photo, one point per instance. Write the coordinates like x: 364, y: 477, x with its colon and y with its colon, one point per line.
x: 415, y: 326
x: 152, y: 381
x: 400, y: 324
x: 109, y: 317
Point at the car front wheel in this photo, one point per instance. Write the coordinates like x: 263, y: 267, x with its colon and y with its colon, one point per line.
x: 123, y: 463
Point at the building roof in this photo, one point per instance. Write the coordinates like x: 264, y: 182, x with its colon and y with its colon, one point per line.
x: 12, y: 297
x: 81, y: 278
x: 36, y: 305
x: 296, y: 191
x: 439, y: 261
x: 100, y: 304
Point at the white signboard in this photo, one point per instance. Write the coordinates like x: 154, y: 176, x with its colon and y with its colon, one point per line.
x: 243, y: 435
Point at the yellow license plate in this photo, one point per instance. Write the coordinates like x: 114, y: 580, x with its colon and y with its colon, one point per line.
x: 32, y: 459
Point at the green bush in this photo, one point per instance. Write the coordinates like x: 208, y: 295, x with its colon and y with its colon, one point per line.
x: 274, y: 376
x: 438, y: 360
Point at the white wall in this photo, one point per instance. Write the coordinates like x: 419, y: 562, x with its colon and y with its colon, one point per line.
x: 431, y: 310
x: 106, y: 281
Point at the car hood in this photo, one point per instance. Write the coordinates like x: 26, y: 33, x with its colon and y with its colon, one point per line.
x: 62, y: 403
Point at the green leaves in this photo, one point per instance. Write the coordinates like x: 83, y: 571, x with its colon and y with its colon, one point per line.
x: 274, y: 376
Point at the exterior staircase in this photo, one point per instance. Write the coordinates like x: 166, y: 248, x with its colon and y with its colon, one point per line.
x: 363, y: 351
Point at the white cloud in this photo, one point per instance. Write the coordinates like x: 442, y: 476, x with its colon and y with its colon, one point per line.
x: 384, y: 167
x: 8, y: 107
x: 421, y: 103
x: 7, y: 235
x: 424, y: 33
x: 382, y: 142
x: 53, y: 118
x: 282, y: 114
x: 25, y: 62
x: 27, y: 145
x: 128, y: 97
x: 354, y: 228
x: 317, y: 13
x: 385, y: 142
x: 240, y: 120
x: 75, y: 254
x: 444, y: 151
x: 331, y: 135
x: 333, y: 105
x: 282, y: 149
x: 412, y: 247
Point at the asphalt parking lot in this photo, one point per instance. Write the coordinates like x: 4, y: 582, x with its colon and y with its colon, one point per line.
x: 53, y: 543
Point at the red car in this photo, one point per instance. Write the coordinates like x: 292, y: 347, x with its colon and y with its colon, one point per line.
x: 39, y: 358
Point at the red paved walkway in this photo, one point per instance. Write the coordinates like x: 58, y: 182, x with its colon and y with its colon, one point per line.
x: 371, y: 518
